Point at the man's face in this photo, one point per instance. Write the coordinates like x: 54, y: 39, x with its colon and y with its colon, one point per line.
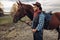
x: 35, y: 7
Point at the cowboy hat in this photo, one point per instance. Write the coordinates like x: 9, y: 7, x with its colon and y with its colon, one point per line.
x: 37, y: 4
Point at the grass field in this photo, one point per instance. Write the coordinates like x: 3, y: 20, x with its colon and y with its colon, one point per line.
x: 5, y: 19
x: 9, y: 19
x: 20, y: 30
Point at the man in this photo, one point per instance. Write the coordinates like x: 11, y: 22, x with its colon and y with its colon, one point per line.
x: 38, y: 22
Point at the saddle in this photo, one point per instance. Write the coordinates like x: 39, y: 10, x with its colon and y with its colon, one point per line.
x: 47, y: 19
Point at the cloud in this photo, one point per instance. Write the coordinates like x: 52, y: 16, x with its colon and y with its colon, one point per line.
x: 20, y: 0
x: 50, y: 5
x: 28, y: 0
x: 7, y: 5
x: 47, y: 5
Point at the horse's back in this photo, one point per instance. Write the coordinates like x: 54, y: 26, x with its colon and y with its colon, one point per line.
x: 55, y: 22
x: 58, y: 15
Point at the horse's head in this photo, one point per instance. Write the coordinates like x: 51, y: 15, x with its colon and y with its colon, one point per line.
x: 20, y: 12
x: 23, y: 9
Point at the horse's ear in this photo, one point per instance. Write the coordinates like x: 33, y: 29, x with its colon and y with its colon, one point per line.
x: 17, y: 2
x: 20, y: 2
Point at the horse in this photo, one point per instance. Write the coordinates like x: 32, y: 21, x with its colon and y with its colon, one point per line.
x: 27, y: 10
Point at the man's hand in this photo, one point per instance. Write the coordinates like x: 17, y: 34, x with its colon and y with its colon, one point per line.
x: 34, y: 30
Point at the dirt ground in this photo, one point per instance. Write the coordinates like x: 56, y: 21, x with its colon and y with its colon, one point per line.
x: 22, y: 31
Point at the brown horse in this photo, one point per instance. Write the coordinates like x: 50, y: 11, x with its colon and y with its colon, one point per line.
x: 25, y: 9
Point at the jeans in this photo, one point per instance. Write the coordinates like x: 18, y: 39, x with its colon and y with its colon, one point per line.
x: 38, y: 35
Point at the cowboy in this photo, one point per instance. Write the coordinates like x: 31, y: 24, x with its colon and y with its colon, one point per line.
x: 38, y: 22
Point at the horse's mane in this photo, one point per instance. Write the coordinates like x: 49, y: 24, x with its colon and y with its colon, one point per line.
x: 27, y: 5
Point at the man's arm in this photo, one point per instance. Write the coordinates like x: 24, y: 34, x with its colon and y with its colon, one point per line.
x: 35, y: 22
x: 41, y: 22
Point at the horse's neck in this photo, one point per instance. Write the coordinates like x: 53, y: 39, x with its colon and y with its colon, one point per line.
x: 28, y: 10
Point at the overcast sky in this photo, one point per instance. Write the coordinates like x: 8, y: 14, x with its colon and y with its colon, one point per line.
x: 47, y: 5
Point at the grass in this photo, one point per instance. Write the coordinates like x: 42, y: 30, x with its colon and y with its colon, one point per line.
x: 5, y: 19
x: 8, y: 19
x: 25, y: 18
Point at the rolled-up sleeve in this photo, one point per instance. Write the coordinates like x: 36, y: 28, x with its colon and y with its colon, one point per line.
x: 41, y: 22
